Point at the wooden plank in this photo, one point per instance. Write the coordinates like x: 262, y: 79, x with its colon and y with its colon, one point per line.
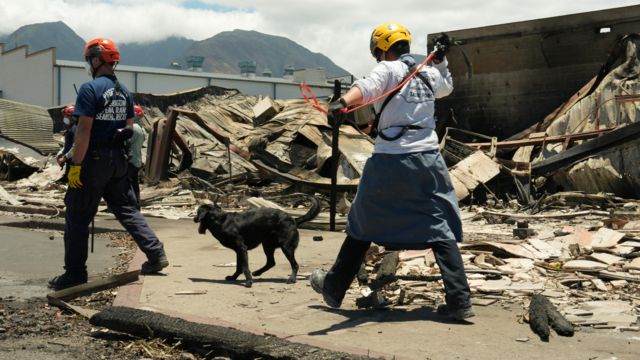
x: 479, y: 166
x: 88, y: 313
x: 93, y: 286
x: 540, y: 140
x: 461, y: 190
x: 263, y: 203
x: 471, y: 171
x: 548, y: 216
x: 26, y: 209
x: 5, y: 195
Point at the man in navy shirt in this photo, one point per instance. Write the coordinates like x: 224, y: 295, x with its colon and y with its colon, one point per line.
x: 98, y: 167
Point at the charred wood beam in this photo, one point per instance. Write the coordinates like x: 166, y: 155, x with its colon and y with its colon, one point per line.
x: 542, y: 314
x: 388, y: 265
x: 538, y: 318
x: 386, y: 272
x: 93, y: 286
x: 222, y: 341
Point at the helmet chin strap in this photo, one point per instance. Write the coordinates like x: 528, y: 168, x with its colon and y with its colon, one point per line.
x: 94, y: 71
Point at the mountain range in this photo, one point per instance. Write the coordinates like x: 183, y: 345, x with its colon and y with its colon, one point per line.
x: 222, y: 52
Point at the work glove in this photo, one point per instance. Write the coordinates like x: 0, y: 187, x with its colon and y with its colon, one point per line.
x: 122, y: 135
x: 73, y: 177
x: 441, y: 45
x: 335, y: 107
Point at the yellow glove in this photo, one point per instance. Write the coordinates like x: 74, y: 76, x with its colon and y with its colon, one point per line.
x: 74, y: 176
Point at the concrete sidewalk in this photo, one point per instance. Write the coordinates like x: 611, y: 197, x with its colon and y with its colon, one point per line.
x: 295, y: 312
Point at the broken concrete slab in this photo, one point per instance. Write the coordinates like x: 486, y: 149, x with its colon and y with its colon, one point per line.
x: 606, y: 258
x: 633, y: 265
x: 606, y: 238
x: 616, y: 313
x: 584, y: 265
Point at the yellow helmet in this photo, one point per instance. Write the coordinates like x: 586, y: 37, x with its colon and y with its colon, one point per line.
x: 388, y: 34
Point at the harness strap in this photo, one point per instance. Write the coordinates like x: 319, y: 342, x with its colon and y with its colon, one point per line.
x: 376, y: 121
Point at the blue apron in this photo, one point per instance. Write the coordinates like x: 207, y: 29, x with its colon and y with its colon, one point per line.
x: 405, y: 201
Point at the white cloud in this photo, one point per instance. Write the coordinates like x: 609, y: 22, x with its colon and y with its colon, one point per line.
x: 339, y: 29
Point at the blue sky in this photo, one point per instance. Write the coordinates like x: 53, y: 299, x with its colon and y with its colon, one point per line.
x: 337, y: 28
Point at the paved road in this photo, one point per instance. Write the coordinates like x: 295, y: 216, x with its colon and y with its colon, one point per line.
x: 29, y: 258
x: 293, y: 311
x: 199, y: 265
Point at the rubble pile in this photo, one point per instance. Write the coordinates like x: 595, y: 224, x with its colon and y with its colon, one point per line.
x: 590, y: 271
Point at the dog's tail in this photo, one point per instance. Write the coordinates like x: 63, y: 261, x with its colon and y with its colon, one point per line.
x: 312, y: 213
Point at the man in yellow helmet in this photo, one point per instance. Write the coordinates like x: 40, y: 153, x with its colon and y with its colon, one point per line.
x: 405, y: 198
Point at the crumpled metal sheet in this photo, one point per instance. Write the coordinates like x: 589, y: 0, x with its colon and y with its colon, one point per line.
x: 26, y: 155
x: 614, y: 102
x: 293, y: 142
x: 28, y: 124
x: 209, y: 154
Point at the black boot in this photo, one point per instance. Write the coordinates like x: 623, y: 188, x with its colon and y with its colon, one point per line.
x: 67, y: 280
x: 154, y: 265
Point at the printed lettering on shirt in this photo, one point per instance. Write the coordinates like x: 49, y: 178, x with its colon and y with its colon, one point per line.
x: 417, y: 92
x: 117, y: 109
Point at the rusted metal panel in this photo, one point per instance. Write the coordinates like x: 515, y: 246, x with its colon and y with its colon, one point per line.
x: 158, y: 161
x: 29, y: 125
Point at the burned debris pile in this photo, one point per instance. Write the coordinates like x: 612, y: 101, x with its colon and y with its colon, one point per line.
x: 551, y: 211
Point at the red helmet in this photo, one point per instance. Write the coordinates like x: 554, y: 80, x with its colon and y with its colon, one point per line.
x: 103, y: 48
x: 68, y: 110
x: 137, y: 109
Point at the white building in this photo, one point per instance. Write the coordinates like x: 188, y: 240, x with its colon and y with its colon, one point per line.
x: 39, y: 79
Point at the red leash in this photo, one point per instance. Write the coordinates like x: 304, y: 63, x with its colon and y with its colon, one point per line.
x: 316, y: 105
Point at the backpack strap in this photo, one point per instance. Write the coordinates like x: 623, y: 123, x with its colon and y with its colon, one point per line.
x: 377, y: 132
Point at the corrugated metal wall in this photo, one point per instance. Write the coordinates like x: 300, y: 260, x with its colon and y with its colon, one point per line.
x: 27, y: 124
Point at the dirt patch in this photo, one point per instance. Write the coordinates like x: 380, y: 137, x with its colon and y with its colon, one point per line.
x: 32, y: 329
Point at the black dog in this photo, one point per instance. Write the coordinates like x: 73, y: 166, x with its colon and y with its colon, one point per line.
x: 246, y: 230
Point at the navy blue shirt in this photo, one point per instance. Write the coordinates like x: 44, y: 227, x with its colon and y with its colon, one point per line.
x: 92, y: 98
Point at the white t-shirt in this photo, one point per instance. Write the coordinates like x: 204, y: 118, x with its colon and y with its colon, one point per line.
x: 413, y: 105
